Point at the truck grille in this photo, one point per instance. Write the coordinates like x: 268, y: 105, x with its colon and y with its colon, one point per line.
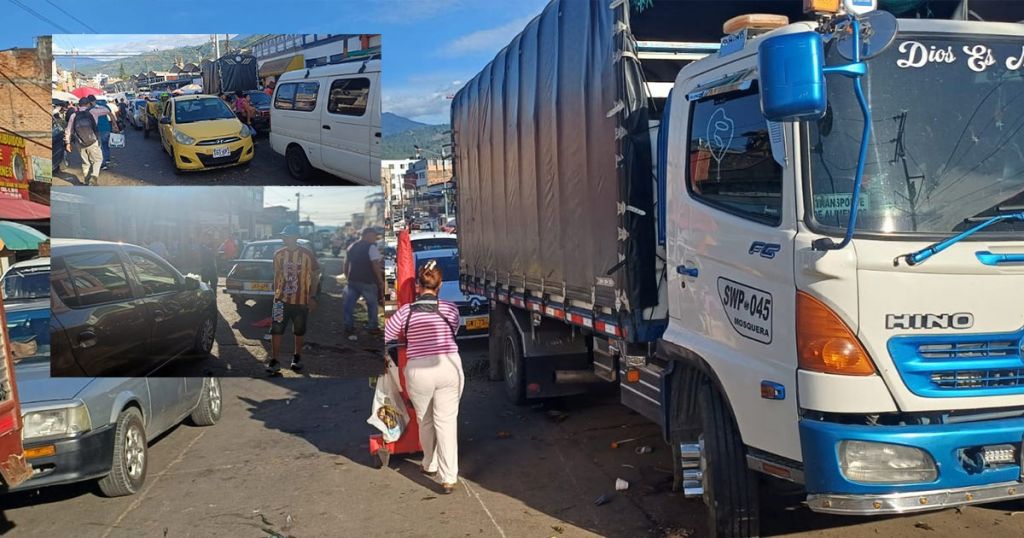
x: 961, y: 365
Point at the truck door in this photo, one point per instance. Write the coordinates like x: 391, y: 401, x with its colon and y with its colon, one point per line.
x: 732, y: 261
x: 13, y: 467
x: 345, y: 135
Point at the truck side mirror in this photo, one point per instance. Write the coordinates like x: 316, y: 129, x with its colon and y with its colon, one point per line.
x: 792, y: 77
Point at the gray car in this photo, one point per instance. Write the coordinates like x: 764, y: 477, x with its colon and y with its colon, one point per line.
x: 89, y: 428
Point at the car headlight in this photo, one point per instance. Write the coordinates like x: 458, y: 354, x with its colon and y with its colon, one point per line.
x: 61, y: 422
x: 183, y: 138
x: 884, y: 463
x: 244, y: 131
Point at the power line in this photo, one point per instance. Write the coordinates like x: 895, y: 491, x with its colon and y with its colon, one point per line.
x: 27, y: 96
x: 80, y: 21
x: 35, y: 14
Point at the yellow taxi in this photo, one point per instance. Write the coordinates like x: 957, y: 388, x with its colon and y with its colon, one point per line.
x: 201, y: 132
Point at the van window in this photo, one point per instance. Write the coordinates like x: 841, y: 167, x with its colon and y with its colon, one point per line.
x: 299, y: 96
x: 348, y: 96
x: 92, y: 278
x: 730, y: 157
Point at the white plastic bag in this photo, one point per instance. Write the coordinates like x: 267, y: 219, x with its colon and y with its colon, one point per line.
x: 116, y: 140
x: 388, y: 413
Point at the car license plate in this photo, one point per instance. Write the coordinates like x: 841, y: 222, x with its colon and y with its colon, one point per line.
x: 477, y: 323
x: 257, y: 286
x: 221, y: 152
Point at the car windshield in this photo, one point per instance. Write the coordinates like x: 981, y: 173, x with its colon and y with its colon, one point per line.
x: 259, y: 99
x: 29, y: 332
x: 265, y: 251
x: 203, y: 109
x: 26, y: 284
x: 947, y: 141
x: 447, y: 262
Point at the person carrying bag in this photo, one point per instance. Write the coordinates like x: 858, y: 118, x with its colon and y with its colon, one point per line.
x: 434, y: 378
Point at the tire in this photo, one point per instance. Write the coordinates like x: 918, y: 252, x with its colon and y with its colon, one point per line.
x: 494, y: 367
x: 130, y: 458
x: 730, y: 488
x: 512, y: 362
x: 239, y: 304
x: 298, y: 165
x: 211, y: 402
x: 206, y: 333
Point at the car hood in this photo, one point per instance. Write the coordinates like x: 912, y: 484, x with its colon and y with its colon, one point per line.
x: 36, y: 386
x: 211, y: 128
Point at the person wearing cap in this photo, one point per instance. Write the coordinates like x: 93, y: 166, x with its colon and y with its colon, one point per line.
x: 90, y: 150
x: 364, y: 271
x: 294, y: 270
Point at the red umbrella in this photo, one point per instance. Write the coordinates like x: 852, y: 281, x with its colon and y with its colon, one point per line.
x: 86, y: 90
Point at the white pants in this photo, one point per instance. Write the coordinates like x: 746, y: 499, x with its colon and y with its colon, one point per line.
x: 435, y: 388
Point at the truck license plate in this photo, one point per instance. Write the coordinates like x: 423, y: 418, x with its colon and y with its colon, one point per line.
x: 221, y: 152
x: 257, y: 286
x: 476, y: 323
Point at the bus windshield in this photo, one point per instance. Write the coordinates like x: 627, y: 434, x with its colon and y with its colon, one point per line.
x: 947, y: 141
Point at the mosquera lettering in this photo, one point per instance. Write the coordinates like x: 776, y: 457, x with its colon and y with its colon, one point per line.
x: 11, y: 140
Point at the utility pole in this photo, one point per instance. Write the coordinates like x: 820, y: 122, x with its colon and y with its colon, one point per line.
x: 216, y: 47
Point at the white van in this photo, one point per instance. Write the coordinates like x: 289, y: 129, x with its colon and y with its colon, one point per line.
x: 328, y: 118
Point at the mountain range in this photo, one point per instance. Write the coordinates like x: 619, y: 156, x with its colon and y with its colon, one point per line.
x: 159, y: 60
x: 401, y: 136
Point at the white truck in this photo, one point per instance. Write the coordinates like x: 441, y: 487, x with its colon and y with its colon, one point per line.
x: 820, y: 279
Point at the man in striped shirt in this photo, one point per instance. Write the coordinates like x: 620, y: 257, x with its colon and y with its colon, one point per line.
x: 295, y: 268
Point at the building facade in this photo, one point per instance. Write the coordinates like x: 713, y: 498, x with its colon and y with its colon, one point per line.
x: 284, y: 52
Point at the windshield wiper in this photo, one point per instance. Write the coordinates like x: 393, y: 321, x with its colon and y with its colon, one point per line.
x: 1013, y: 213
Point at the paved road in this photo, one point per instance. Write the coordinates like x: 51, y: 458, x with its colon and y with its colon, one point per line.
x: 144, y: 162
x: 289, y: 457
x: 240, y: 349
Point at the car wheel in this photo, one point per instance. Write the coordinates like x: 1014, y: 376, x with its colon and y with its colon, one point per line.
x: 205, y: 335
x: 128, y: 471
x: 298, y: 164
x: 239, y: 303
x: 730, y: 488
x: 512, y: 363
x: 207, y: 413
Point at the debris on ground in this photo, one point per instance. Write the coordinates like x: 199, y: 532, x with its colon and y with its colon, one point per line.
x: 603, y: 499
x: 616, y: 444
x: 645, y: 449
x: 621, y: 485
x: 558, y: 528
x: 924, y: 526
x: 557, y: 416
x: 504, y: 435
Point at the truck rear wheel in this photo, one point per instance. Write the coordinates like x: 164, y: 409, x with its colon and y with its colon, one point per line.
x: 512, y: 363
x: 730, y: 488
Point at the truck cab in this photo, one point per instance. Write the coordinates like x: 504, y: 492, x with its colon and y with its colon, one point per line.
x: 881, y: 382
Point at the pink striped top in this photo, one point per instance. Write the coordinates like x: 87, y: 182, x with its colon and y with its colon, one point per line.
x: 429, y: 334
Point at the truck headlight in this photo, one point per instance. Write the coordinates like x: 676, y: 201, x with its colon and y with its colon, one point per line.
x: 63, y: 422
x: 884, y: 463
x: 183, y: 138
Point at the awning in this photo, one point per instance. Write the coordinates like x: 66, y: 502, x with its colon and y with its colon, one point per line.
x: 274, y: 68
x: 18, y: 209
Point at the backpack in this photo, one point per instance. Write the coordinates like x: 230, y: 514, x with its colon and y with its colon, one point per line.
x: 85, y: 128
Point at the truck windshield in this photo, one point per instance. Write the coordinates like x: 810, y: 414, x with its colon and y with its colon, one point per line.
x: 947, y: 141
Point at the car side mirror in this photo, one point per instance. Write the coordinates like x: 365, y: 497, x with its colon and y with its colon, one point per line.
x: 165, y: 120
x: 792, y: 77
x: 192, y: 284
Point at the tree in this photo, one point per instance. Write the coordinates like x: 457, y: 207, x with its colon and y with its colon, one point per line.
x: 121, y: 73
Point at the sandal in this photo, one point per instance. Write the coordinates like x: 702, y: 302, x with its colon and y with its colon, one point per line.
x: 447, y: 489
x: 431, y: 474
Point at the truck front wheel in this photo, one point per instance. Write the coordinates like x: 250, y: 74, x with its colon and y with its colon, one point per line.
x: 512, y: 363
x: 730, y: 488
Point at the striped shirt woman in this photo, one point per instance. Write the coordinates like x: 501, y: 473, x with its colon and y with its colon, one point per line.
x: 431, y: 329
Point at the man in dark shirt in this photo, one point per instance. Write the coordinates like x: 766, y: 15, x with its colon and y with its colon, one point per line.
x: 364, y: 270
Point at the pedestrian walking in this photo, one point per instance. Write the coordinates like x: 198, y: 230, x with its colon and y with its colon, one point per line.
x: 208, y: 261
x: 107, y: 122
x: 294, y: 295
x: 364, y: 272
x: 83, y: 130
x: 269, y: 90
x: 433, y: 374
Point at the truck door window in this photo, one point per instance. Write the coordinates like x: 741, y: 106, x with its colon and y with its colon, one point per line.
x: 730, y: 164
x: 154, y: 277
x: 91, y: 278
x: 349, y: 96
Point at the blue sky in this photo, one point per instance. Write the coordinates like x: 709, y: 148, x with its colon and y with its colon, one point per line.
x: 431, y: 47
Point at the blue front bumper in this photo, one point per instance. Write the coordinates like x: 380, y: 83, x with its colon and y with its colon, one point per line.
x: 829, y: 491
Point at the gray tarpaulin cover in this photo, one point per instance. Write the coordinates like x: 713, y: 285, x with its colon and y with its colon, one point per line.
x: 536, y: 160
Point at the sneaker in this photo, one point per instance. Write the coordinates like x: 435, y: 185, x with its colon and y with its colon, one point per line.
x: 105, y: 167
x: 296, y: 364
x: 273, y: 367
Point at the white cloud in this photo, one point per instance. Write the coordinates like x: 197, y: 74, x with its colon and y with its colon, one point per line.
x: 485, y: 42
x: 135, y: 44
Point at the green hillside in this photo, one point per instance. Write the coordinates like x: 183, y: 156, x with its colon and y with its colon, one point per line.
x: 400, y: 145
x: 161, y: 60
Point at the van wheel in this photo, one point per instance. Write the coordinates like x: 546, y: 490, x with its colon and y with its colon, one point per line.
x: 298, y: 164
x: 128, y: 472
x: 730, y: 488
x: 512, y: 363
x: 207, y: 413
